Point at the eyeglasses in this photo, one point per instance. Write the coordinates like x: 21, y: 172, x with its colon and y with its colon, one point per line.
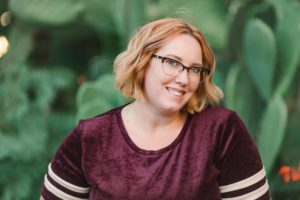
x: 173, y: 67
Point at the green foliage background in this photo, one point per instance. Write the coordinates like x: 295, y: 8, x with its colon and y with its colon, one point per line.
x: 59, y: 69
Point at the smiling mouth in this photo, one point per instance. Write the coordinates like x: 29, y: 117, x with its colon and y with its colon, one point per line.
x: 175, y: 92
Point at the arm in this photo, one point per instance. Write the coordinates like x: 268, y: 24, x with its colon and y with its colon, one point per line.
x: 65, y: 178
x: 242, y: 175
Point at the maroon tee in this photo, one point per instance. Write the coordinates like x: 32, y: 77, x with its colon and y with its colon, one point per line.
x: 212, y: 158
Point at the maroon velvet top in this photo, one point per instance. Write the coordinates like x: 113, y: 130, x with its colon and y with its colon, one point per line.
x: 212, y: 158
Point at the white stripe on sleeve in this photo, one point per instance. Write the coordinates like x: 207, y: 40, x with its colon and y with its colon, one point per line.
x: 251, y: 195
x: 244, y: 183
x: 65, y: 183
x: 55, y: 191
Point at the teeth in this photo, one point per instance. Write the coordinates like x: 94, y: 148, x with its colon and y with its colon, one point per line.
x: 175, y: 92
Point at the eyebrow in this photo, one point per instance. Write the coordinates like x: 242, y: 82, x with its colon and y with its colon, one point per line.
x: 179, y: 59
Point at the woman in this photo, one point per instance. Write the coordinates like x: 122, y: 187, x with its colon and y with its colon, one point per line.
x: 171, y: 142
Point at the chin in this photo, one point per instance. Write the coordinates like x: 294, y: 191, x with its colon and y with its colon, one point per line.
x: 172, y: 107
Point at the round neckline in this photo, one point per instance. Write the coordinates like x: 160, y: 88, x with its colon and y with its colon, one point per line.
x: 129, y: 141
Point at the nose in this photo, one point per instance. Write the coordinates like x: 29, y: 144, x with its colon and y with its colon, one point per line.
x: 182, y: 78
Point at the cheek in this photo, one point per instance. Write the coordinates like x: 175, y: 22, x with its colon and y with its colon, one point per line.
x: 156, y: 77
x: 152, y: 81
x: 194, y: 87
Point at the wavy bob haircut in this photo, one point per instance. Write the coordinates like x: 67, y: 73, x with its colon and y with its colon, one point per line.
x: 131, y: 65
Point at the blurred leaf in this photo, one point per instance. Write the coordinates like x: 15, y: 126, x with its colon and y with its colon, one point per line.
x: 210, y: 16
x: 13, y: 99
x: 99, y: 15
x: 20, y: 46
x: 280, y: 6
x: 93, y: 108
x: 106, y: 84
x: 59, y: 125
x: 87, y: 92
x: 51, y: 12
x: 32, y: 137
x: 260, y: 54
x: 45, y: 83
x: 231, y: 83
x: 103, y: 88
x: 289, y: 152
x: 235, y: 36
x: 100, y: 65
x: 272, y: 131
x: 26, y: 95
x: 16, y: 179
x: 218, y: 79
x: 18, y: 188
x: 287, y: 35
x: 97, y: 97
x: 241, y: 96
x: 286, y: 191
x: 130, y: 15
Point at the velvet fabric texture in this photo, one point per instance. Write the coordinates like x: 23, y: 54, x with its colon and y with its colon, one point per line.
x: 212, y: 158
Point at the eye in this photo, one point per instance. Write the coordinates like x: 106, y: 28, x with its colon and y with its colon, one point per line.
x: 196, y: 70
x: 171, y: 62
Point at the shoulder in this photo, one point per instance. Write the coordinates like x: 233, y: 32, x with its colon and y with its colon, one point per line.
x: 217, y: 115
x: 221, y: 127
x: 99, y: 124
x: 100, y: 119
x: 226, y: 122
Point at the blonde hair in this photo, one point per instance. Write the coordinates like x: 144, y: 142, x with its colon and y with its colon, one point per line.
x: 130, y: 66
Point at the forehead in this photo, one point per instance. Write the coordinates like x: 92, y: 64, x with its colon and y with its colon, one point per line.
x: 183, y: 46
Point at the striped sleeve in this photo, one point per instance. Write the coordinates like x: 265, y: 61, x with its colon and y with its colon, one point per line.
x: 242, y: 174
x: 65, y: 178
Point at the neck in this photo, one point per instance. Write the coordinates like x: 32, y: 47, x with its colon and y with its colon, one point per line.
x: 150, y: 118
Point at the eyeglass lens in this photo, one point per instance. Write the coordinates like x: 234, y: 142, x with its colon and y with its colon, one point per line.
x: 173, y: 68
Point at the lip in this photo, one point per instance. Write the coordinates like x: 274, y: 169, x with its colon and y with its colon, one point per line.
x: 175, y: 91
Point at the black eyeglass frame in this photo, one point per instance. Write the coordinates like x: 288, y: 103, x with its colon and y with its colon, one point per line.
x: 162, y: 58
